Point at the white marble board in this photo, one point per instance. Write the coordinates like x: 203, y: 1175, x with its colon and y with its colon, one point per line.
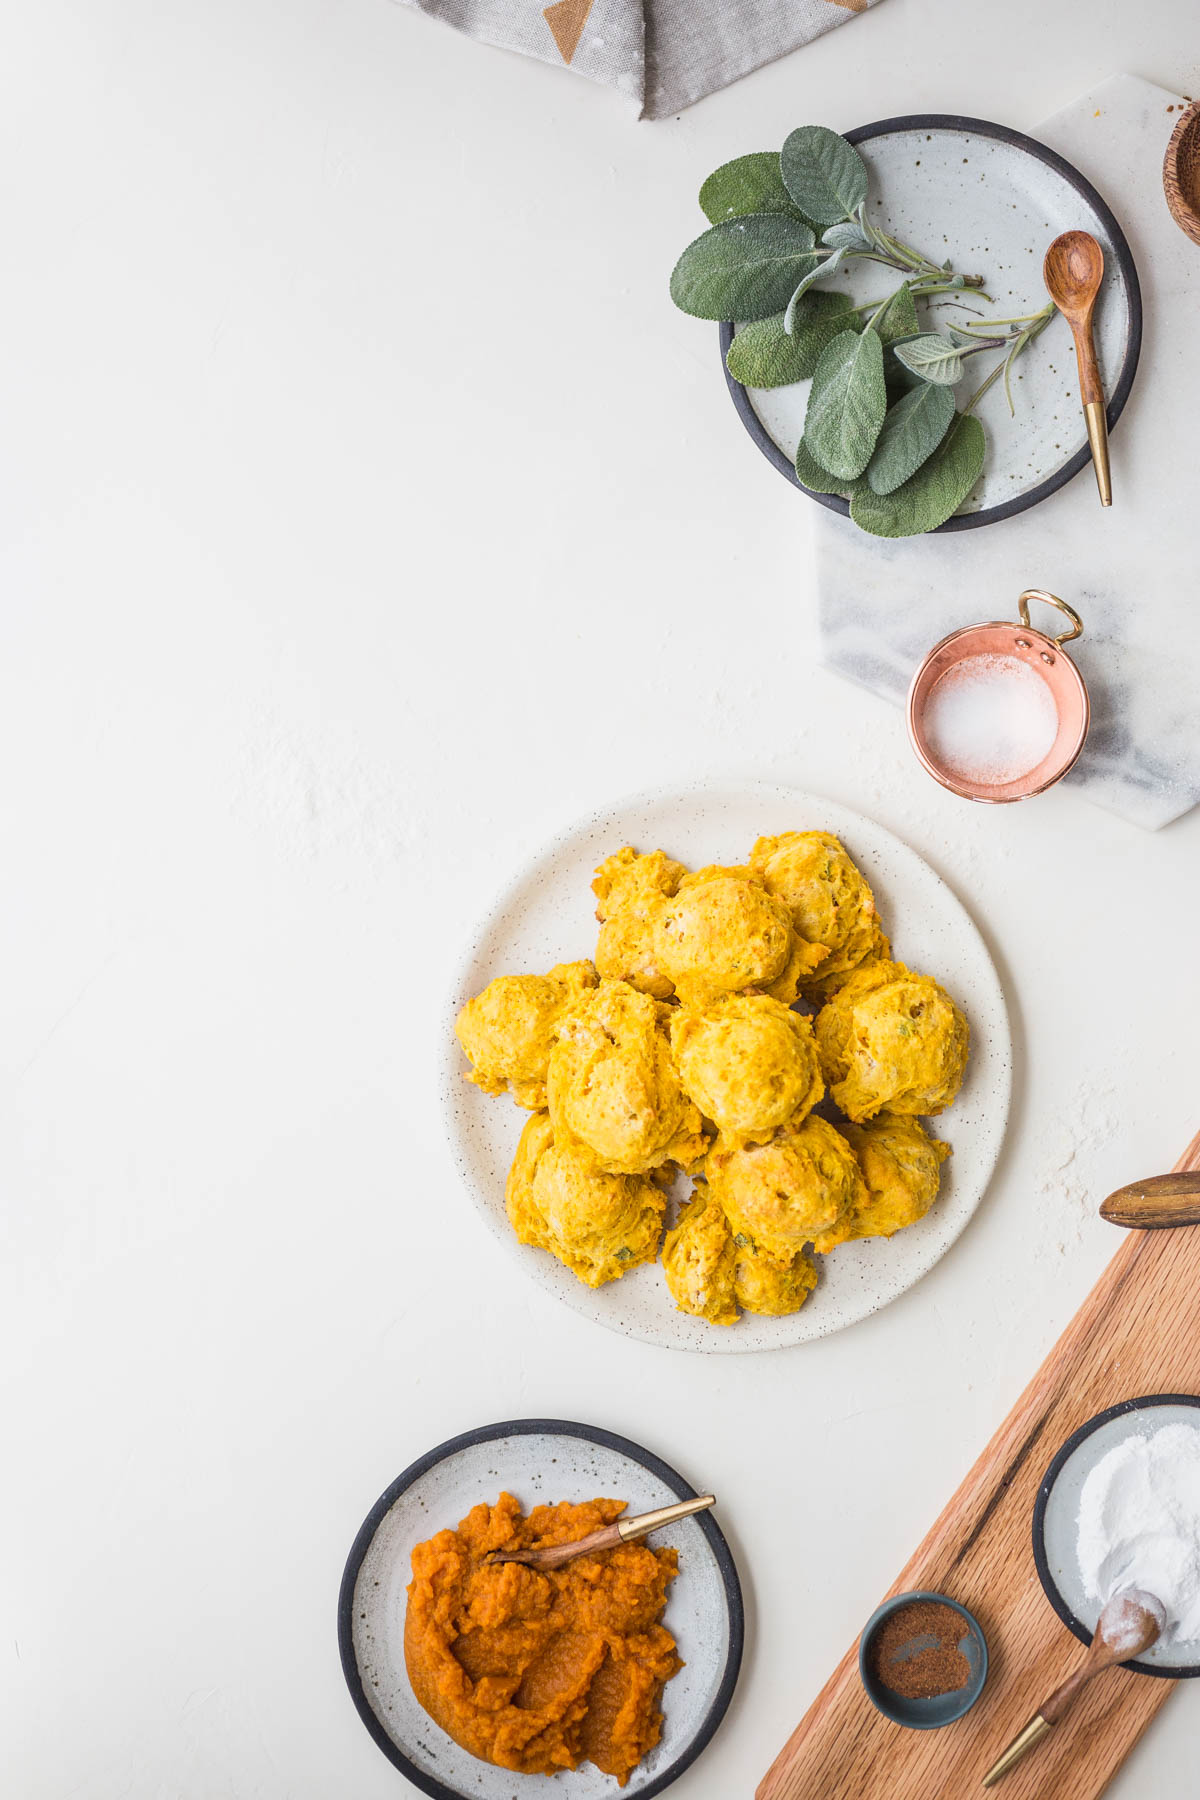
x: 1129, y: 570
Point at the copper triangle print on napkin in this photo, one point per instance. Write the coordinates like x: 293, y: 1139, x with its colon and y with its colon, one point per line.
x: 566, y: 20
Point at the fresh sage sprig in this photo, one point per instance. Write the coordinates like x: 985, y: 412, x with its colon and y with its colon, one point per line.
x: 940, y: 356
x: 881, y: 427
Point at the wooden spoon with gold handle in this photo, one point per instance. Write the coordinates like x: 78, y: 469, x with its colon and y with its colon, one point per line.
x: 622, y: 1531
x: 1157, y: 1203
x: 1073, y: 272
x: 1129, y: 1624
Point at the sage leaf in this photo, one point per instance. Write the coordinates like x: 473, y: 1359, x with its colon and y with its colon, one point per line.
x: 929, y: 497
x: 764, y: 355
x: 899, y: 379
x: 912, y: 430
x: 847, y: 403
x: 811, y: 338
x: 847, y: 236
x: 932, y: 357
x: 748, y: 184
x: 744, y: 268
x: 828, y: 267
x: 811, y: 475
x: 897, y: 318
x: 825, y: 176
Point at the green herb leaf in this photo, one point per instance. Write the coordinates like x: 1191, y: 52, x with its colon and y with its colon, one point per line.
x: 825, y: 176
x: 847, y: 403
x: 811, y: 340
x: 849, y: 235
x: 932, y: 357
x: 828, y: 267
x: 763, y: 355
x: 913, y: 429
x: 811, y: 475
x: 928, y: 498
x: 900, y: 381
x: 743, y: 269
x: 748, y: 184
x: 898, y: 316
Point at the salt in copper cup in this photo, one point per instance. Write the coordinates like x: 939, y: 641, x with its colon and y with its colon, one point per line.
x: 1046, y: 656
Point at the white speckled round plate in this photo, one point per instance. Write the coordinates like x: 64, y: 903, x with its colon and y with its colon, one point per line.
x: 1056, y: 1515
x: 992, y: 200
x: 537, y: 1460
x: 547, y: 916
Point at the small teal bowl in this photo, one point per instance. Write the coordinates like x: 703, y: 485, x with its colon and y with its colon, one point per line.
x: 942, y: 1709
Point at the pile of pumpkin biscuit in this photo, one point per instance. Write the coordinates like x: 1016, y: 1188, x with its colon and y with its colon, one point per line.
x: 721, y: 1008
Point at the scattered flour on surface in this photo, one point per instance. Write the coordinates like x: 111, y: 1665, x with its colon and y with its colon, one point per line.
x: 1069, y: 1181
x: 320, y: 800
x: 1139, y: 1525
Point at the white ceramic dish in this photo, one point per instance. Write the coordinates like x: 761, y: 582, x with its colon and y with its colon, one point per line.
x: 547, y: 916
x: 1056, y: 1515
x: 536, y: 1460
x: 992, y: 201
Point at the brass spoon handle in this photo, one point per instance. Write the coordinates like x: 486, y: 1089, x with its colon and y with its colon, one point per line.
x: 622, y: 1531
x: 1026, y: 1738
x: 1156, y: 1204
x: 663, y: 1515
x: 1047, y: 1716
x: 1093, y: 404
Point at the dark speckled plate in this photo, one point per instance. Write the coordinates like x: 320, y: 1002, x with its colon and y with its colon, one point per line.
x: 991, y: 200
x: 537, y: 1460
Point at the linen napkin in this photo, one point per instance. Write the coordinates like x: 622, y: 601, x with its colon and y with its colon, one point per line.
x: 663, y: 53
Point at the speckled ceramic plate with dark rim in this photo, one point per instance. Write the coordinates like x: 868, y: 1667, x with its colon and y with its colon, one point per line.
x: 1056, y: 1512
x: 537, y: 1460
x: 992, y: 200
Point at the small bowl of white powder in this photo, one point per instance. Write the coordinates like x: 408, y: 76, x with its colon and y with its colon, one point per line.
x: 999, y: 712
x: 1120, y: 1508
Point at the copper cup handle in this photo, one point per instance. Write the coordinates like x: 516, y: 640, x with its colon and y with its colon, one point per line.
x: 1051, y: 600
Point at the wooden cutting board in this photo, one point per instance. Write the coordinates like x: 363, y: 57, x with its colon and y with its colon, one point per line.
x: 1138, y: 1332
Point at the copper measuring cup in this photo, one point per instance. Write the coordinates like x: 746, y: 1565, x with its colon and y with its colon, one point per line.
x: 1046, y: 656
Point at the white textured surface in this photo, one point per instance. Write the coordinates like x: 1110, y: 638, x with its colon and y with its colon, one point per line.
x: 1130, y: 569
x: 536, y: 1469
x: 323, y: 605
x: 547, y: 915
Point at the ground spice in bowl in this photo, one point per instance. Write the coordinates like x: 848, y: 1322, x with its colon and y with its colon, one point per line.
x: 915, y: 1651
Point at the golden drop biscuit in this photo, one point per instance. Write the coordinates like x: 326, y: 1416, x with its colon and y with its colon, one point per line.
x: 749, y: 1063
x: 699, y: 1261
x: 519, y: 1204
x: 612, y: 1085
x: 819, y: 988
x: 902, y: 1169
x: 722, y: 933
x: 630, y: 889
x: 827, y: 896
x: 598, y: 1225
x: 891, y: 1040
x: 507, y: 1031
x: 768, y: 1285
x: 786, y: 1192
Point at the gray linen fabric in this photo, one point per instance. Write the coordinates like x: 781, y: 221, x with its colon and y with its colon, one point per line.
x: 664, y: 54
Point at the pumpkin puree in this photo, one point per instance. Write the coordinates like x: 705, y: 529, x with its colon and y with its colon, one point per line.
x: 539, y: 1672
